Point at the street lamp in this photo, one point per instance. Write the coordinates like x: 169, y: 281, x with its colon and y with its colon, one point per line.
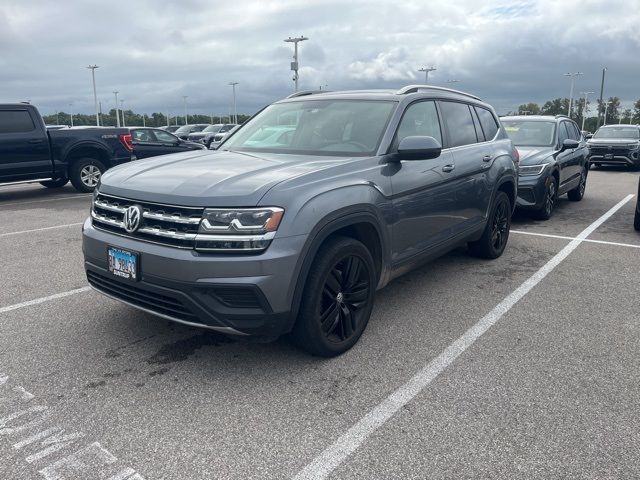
x: 95, y: 96
x: 235, y: 111
x: 426, y: 71
x: 122, y: 110
x: 71, y: 113
x: 294, y: 64
x: 184, y: 103
x: 604, y: 71
x: 584, y: 110
x: 606, y: 107
x: 117, y: 111
x: 573, y: 78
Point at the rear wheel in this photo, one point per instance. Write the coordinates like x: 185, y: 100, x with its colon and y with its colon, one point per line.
x: 577, y: 193
x: 636, y: 220
x: 496, y: 233
x: 549, y: 204
x: 337, y: 299
x: 85, y: 174
x: 57, y: 183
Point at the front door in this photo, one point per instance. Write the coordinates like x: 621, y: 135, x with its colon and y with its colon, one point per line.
x: 24, y: 148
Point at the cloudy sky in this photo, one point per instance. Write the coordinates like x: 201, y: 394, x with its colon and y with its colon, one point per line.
x: 508, y: 52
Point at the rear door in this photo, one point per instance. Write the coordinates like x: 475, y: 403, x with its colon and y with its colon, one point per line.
x: 565, y: 158
x: 145, y: 143
x: 472, y: 156
x: 24, y: 146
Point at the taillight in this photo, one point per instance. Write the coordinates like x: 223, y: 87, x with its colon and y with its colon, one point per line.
x: 515, y: 154
x: 126, y: 141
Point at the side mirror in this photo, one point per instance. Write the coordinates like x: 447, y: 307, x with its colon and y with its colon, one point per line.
x: 569, y: 144
x: 588, y: 136
x: 419, y: 148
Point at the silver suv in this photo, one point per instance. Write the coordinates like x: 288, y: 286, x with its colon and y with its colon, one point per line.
x: 309, y: 208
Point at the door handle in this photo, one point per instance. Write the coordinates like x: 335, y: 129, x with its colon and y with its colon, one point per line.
x: 487, y: 158
x: 448, y: 168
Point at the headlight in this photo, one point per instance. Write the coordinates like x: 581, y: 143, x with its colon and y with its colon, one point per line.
x: 238, y: 229
x: 530, y: 170
x: 634, y: 146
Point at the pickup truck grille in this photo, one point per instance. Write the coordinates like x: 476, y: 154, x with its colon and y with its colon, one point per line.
x: 164, y: 224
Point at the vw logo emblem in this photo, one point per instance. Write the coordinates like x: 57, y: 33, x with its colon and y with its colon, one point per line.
x: 132, y: 217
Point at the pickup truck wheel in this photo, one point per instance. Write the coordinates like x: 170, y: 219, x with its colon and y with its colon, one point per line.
x: 337, y: 299
x: 57, y: 183
x: 85, y: 174
x: 496, y: 233
x: 577, y: 193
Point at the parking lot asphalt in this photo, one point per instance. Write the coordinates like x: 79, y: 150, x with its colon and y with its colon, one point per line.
x: 551, y: 390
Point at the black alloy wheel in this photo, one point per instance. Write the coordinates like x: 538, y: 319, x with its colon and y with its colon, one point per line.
x: 337, y: 299
x: 577, y: 193
x: 496, y: 232
x: 500, y: 227
x: 549, y: 201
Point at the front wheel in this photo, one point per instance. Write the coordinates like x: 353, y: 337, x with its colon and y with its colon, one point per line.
x: 57, y: 183
x: 549, y: 203
x: 496, y: 233
x: 85, y: 174
x: 337, y: 299
x: 577, y: 193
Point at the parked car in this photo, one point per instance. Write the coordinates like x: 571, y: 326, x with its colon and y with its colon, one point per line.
x: 206, y: 136
x: 150, y: 142
x: 170, y: 128
x: 553, y: 161
x: 218, y: 138
x: 636, y: 220
x: 615, y: 145
x: 29, y: 152
x: 184, y: 131
x: 297, y: 235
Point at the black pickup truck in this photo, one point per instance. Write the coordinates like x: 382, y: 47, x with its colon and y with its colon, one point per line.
x: 31, y: 153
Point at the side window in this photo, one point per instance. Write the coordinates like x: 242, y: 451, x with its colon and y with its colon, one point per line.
x: 563, y: 134
x: 576, y: 133
x: 457, y: 117
x: 420, y: 119
x: 16, y: 121
x: 142, y: 136
x: 165, y: 137
x: 488, y: 122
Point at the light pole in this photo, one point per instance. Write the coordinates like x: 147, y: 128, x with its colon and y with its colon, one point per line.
x: 95, y: 95
x: 604, y: 70
x: 294, y: 64
x: 184, y: 103
x: 606, y: 107
x: 117, y: 111
x: 573, y: 78
x: 426, y: 71
x: 235, y: 110
x: 71, y: 113
x: 584, y: 110
x: 122, y: 110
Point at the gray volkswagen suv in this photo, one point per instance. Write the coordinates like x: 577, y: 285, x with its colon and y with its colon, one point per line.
x: 314, y: 204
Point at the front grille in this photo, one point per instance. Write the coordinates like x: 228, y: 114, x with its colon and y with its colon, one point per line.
x: 164, y: 224
x: 615, y: 151
x: 159, y: 303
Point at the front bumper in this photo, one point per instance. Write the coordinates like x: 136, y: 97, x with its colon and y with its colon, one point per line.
x: 531, y: 191
x: 237, y: 294
x: 631, y: 157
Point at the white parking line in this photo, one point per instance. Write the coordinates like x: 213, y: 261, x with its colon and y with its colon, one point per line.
x: 325, y: 463
x: 43, y: 299
x: 54, y: 199
x: 535, y: 234
x: 40, y: 229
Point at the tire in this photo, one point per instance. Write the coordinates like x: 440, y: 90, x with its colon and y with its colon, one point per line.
x: 337, y: 298
x: 577, y: 193
x: 496, y: 233
x: 57, y: 183
x: 550, y: 199
x: 636, y: 220
x: 85, y: 174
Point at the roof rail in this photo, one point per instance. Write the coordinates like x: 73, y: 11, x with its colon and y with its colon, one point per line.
x: 304, y: 93
x: 560, y: 115
x: 417, y: 88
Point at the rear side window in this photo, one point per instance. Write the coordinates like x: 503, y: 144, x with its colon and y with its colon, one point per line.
x: 420, y: 119
x: 16, y: 121
x: 457, y: 117
x: 563, y: 134
x: 574, y: 133
x: 488, y: 123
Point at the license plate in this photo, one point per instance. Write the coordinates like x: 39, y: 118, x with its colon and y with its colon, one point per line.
x: 122, y: 263
x: 608, y: 156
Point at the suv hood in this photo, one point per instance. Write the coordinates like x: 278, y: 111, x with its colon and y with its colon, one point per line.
x: 207, y: 178
x: 534, y: 155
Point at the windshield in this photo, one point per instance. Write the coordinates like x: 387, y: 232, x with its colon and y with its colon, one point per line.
x: 213, y: 128
x: 183, y: 129
x: 316, y: 127
x: 530, y: 133
x: 618, y: 132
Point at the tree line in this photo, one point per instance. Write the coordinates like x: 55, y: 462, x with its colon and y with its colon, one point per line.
x: 132, y: 119
x: 615, y: 114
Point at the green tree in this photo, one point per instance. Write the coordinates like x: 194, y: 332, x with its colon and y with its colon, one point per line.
x: 613, y: 113
x: 636, y: 112
x: 557, y: 106
x: 529, y: 109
